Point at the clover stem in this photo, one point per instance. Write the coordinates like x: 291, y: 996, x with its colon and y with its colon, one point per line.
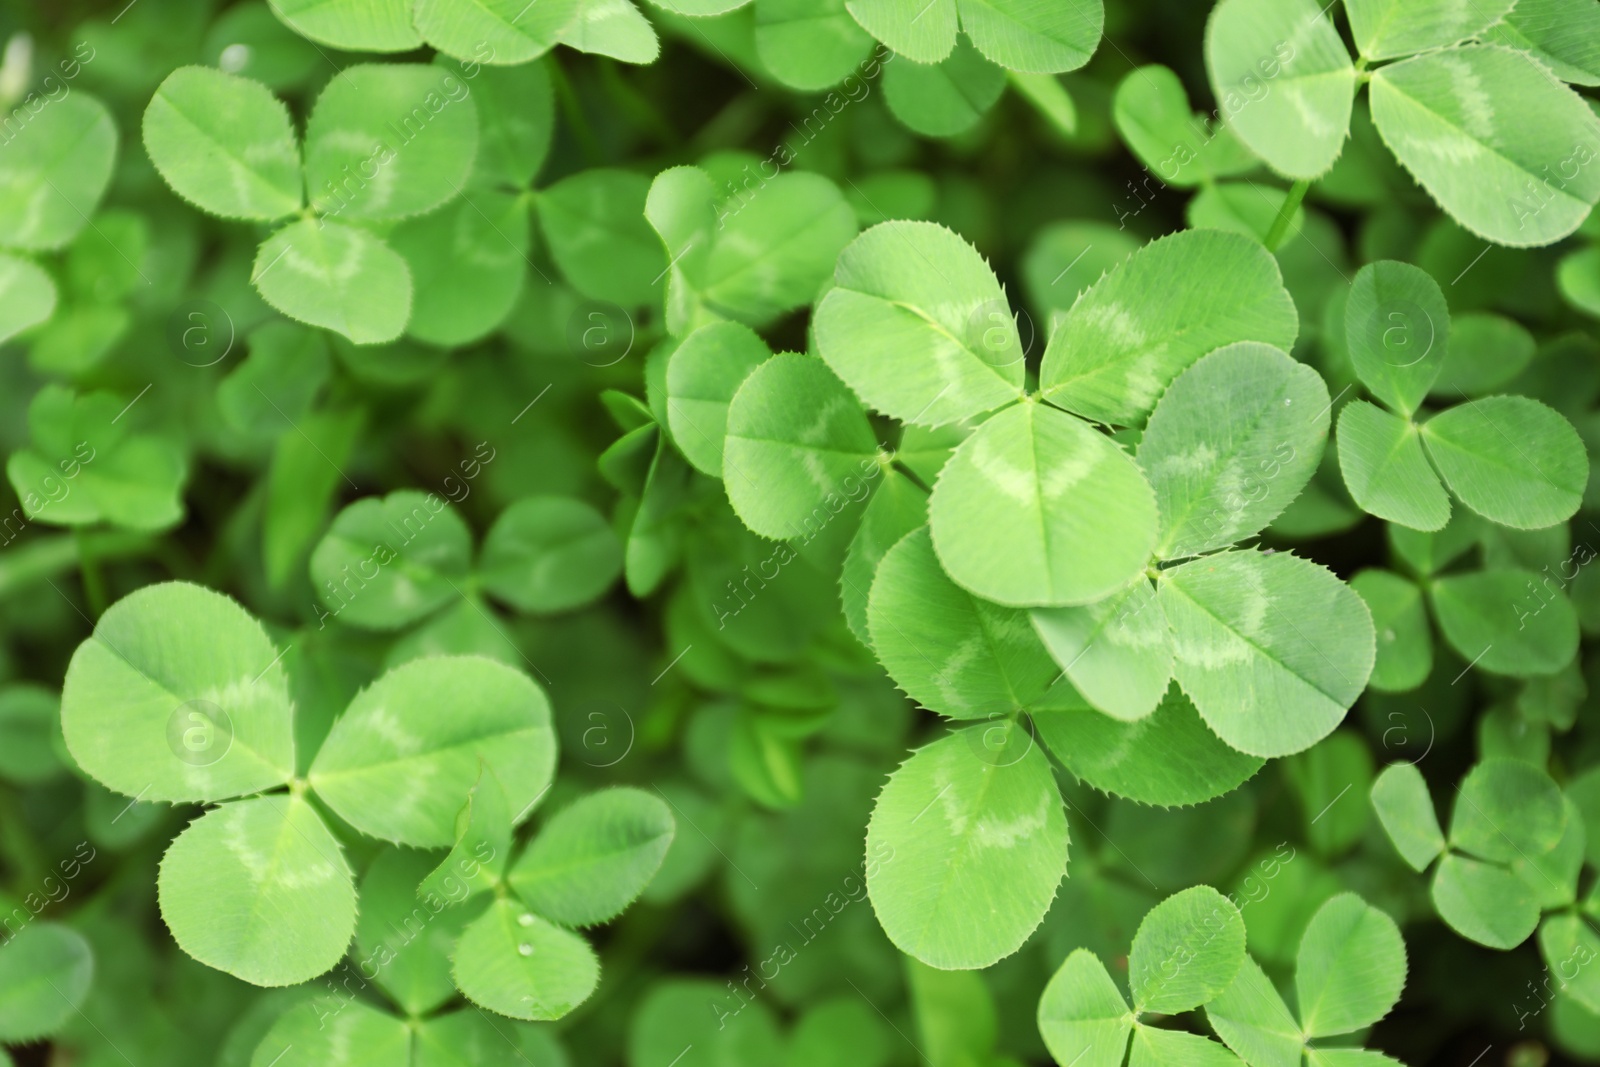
x: 17, y: 844
x: 94, y: 586
x: 1291, y: 204
x: 570, y: 107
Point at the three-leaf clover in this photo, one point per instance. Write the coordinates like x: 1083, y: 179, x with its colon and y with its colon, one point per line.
x: 383, y: 143
x: 86, y: 464
x: 1450, y: 100
x: 389, y: 562
x: 520, y: 957
x: 1508, y: 852
x: 180, y: 696
x: 917, y: 326
x: 1187, y: 952
x: 1349, y: 971
x: 1510, y: 459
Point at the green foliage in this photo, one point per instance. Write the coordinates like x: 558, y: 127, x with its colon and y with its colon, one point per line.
x: 1021, y: 36
x: 928, y: 347
x: 736, y: 473
x: 45, y: 974
x: 1284, y: 81
x: 595, y: 857
x: 84, y: 469
x: 391, y: 741
x: 54, y: 171
x: 1511, y: 459
x: 543, y: 554
x: 1189, y: 952
x: 179, y: 695
x: 995, y: 835
x: 1086, y: 517
x: 225, y: 144
x: 1349, y: 971
x: 233, y: 869
x: 1121, y: 343
x: 1508, y: 821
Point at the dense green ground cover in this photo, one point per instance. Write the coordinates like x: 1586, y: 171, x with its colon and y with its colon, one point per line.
x: 799, y: 533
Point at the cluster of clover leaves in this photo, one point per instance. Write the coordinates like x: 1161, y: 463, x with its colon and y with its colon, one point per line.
x: 180, y: 696
x: 1453, y: 99
x: 1510, y: 865
x: 1051, y: 554
x: 1189, y: 952
x: 1073, y: 574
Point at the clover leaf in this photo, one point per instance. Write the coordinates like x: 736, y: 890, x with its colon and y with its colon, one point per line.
x: 968, y: 827
x: 45, y: 974
x: 1119, y: 345
x: 388, y: 563
x: 84, y: 468
x: 53, y: 171
x: 225, y: 144
x: 751, y: 257
x: 1019, y: 36
x: 180, y: 696
x: 1508, y: 815
x: 594, y: 858
x: 1510, y: 459
x: 1349, y: 970
x: 1286, y: 86
x: 392, y: 741
x: 1186, y: 952
x: 231, y: 872
x: 476, y: 32
x: 384, y: 142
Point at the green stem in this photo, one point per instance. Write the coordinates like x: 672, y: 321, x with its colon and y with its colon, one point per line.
x: 573, y: 109
x: 94, y: 584
x: 1291, y: 204
x: 17, y: 844
x: 649, y: 118
x: 45, y: 557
